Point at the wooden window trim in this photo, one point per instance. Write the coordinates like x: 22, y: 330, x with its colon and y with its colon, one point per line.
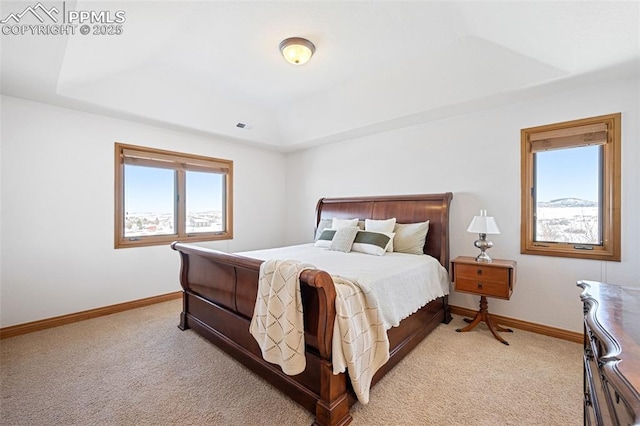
x: 583, y: 132
x: 139, y: 155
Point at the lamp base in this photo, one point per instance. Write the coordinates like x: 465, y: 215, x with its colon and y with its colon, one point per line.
x: 483, y: 257
x: 483, y: 245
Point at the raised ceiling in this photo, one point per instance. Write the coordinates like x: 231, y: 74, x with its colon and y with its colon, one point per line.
x: 206, y: 66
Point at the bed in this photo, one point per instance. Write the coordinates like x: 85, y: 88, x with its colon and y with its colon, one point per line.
x: 219, y: 294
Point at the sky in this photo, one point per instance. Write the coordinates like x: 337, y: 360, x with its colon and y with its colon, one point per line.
x: 150, y: 189
x: 568, y: 173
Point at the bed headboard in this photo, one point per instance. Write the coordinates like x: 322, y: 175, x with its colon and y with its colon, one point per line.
x: 405, y: 208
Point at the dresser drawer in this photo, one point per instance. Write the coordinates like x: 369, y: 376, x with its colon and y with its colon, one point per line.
x: 595, y: 388
x: 481, y: 272
x: 590, y: 401
x: 483, y: 287
x: 622, y: 414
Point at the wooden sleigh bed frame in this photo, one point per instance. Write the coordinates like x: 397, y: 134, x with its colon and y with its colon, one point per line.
x: 219, y: 293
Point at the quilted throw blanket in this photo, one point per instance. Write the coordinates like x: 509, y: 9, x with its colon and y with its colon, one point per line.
x: 360, y: 342
x: 277, y: 323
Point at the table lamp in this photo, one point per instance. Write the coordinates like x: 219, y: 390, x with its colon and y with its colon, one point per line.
x: 483, y: 225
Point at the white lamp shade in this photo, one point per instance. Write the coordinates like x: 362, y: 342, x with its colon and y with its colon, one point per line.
x: 296, y: 50
x: 483, y: 224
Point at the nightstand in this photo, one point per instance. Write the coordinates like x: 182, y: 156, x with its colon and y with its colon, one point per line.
x: 485, y: 279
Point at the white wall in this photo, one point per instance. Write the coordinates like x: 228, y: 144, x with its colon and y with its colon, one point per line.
x: 477, y: 157
x: 57, y: 210
x: 57, y: 200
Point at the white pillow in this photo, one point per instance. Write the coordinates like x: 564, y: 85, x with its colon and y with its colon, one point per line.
x: 410, y: 237
x: 375, y: 225
x: 371, y: 242
x: 343, y: 239
x: 324, y: 224
x: 341, y: 223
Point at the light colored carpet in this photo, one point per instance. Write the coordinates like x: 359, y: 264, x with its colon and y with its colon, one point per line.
x: 138, y: 368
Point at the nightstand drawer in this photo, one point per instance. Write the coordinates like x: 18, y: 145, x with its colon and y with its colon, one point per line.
x: 495, y: 279
x: 481, y: 272
x: 483, y: 287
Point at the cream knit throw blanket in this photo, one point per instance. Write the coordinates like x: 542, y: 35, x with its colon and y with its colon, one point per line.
x: 360, y: 342
x: 277, y: 323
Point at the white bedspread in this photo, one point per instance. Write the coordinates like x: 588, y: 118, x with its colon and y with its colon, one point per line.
x: 400, y: 283
x: 374, y: 293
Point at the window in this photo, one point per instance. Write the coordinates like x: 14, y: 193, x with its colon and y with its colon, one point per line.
x: 164, y: 196
x: 571, y: 189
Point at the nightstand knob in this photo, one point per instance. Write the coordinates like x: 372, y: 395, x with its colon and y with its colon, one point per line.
x: 479, y: 271
x: 480, y: 286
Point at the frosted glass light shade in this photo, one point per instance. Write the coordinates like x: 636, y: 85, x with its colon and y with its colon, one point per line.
x: 296, y: 50
x: 483, y: 224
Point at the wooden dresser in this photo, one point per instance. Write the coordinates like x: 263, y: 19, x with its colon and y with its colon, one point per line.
x: 611, y: 354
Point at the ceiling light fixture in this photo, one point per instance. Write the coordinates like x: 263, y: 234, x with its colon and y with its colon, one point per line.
x: 297, y: 50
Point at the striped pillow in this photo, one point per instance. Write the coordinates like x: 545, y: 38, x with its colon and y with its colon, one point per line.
x: 324, y: 240
x: 384, y: 226
x: 372, y: 242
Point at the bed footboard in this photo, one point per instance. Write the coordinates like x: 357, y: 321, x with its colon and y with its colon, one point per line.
x: 219, y: 293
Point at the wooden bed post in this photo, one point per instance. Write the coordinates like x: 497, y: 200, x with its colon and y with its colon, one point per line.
x: 333, y: 407
x: 183, y: 315
x: 447, y: 310
x: 183, y: 282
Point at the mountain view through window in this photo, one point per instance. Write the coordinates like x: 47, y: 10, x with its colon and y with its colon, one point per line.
x: 567, y: 183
